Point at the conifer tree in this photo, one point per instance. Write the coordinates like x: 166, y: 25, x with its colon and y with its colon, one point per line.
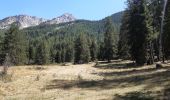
x: 82, y: 51
x: 109, y: 40
x: 156, y: 8
x: 151, y: 33
x: 52, y: 54
x: 166, y: 34
x: 138, y: 31
x: 41, y: 56
x: 58, y: 56
x: 101, y: 50
x: 93, y: 49
x: 123, y: 46
x: 63, y: 54
x: 1, y: 52
x: 31, y: 54
x: 69, y: 56
x: 14, y: 45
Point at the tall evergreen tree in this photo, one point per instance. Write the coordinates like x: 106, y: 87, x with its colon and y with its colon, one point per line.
x: 157, y: 7
x: 101, y: 50
x: 166, y: 32
x: 138, y: 31
x: 52, y: 55
x: 59, y: 53
x: 63, y: 54
x: 1, y: 51
x: 93, y: 49
x: 58, y: 56
x: 14, y: 45
x: 31, y: 54
x: 82, y: 51
x: 123, y: 46
x: 155, y: 10
x: 42, y: 54
x: 69, y: 56
x: 109, y: 40
x: 151, y: 33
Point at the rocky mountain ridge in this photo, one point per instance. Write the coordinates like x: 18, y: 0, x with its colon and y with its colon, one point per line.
x: 25, y: 21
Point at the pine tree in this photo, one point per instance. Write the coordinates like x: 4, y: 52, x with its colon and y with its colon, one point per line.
x: 14, y: 45
x: 101, y: 50
x: 82, y: 51
x: 109, y: 40
x: 1, y: 51
x: 69, y: 52
x: 53, y: 54
x: 123, y: 46
x: 155, y: 9
x: 166, y: 34
x: 138, y: 31
x: 93, y: 49
x: 63, y: 54
x: 59, y: 53
x: 151, y: 33
x: 42, y: 55
x: 58, y: 56
x: 31, y: 54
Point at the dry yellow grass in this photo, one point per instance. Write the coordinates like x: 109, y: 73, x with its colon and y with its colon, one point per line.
x: 81, y: 82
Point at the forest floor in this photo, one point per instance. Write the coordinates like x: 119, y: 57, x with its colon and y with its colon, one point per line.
x: 105, y: 81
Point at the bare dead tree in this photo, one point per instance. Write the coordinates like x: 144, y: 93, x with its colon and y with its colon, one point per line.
x: 6, y: 64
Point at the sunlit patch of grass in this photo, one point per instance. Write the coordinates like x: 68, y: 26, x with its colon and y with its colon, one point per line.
x: 2, y: 93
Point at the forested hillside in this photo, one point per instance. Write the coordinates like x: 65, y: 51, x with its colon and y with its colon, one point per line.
x: 91, y: 27
x: 55, y: 43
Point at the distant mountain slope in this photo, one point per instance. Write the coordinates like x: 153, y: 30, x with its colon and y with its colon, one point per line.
x: 117, y: 17
x: 75, y: 27
x: 25, y: 21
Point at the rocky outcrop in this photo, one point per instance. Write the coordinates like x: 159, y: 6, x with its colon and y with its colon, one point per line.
x: 25, y: 21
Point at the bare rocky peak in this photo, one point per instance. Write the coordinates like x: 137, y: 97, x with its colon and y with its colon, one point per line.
x: 23, y: 20
x: 28, y: 21
x: 61, y: 19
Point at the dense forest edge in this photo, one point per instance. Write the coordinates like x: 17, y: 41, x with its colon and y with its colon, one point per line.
x: 119, y: 36
x: 50, y: 44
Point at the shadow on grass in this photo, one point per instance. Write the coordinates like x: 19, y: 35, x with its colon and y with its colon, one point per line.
x: 115, y: 65
x: 6, y: 77
x: 152, y: 80
x: 134, y: 96
x: 162, y: 95
x: 63, y: 84
x: 166, y: 95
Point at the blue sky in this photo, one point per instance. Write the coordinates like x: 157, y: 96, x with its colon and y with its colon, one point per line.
x: 81, y: 9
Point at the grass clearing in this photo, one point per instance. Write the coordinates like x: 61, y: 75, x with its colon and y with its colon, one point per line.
x: 86, y: 81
